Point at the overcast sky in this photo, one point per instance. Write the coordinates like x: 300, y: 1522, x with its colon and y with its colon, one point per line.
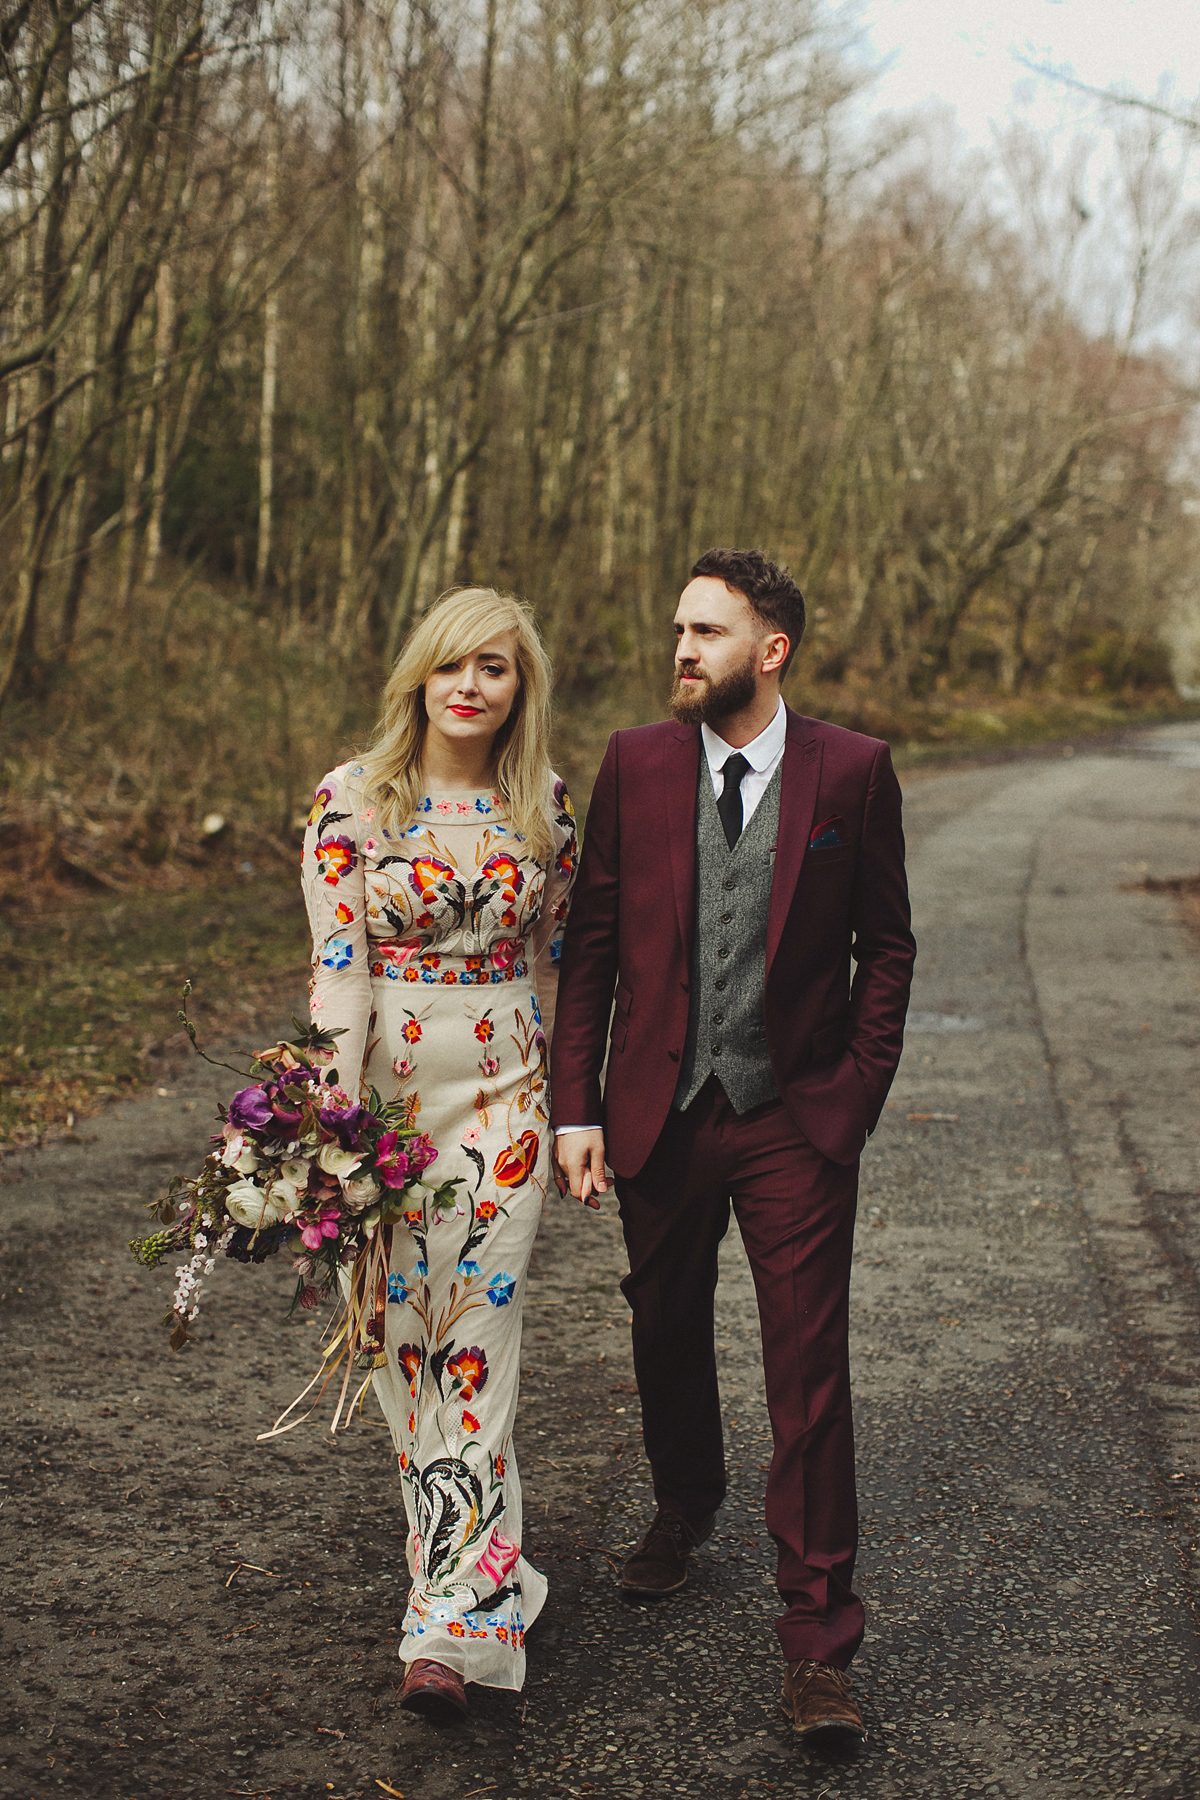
x: 959, y: 53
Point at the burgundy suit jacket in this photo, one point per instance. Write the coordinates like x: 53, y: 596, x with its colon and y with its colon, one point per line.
x: 834, y: 1041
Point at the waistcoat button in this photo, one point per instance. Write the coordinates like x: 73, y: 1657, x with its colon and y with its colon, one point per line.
x: 723, y: 951
x: 714, y: 1049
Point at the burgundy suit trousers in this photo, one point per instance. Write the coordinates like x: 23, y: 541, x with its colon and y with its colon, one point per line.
x: 795, y: 1209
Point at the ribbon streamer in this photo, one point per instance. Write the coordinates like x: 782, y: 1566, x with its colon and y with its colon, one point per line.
x: 355, y: 1330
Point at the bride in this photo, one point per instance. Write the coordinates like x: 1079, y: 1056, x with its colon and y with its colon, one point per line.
x: 437, y: 872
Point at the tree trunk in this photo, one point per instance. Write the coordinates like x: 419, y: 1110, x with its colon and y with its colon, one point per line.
x: 266, y: 415
x: 164, y: 348
x: 40, y: 491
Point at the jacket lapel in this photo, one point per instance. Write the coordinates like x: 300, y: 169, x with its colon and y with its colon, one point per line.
x: 681, y: 760
x: 797, y: 806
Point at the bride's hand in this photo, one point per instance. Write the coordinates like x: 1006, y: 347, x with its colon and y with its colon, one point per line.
x: 579, y: 1165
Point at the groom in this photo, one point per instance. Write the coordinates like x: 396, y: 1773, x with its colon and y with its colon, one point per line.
x: 742, y: 913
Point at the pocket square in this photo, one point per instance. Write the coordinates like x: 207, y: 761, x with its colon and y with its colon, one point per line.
x: 828, y: 834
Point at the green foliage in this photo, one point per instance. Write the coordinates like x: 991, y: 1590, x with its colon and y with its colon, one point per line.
x: 1108, y: 661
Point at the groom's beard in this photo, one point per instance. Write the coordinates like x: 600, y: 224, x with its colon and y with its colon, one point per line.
x: 714, y: 700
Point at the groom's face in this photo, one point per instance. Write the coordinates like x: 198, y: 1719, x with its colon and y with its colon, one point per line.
x: 719, y: 648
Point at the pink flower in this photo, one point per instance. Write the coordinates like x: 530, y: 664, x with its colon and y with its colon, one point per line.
x: 471, y: 1136
x: 499, y: 1557
x: 402, y: 1067
x: 391, y: 1161
x: 490, y: 1065
x: 444, y: 807
x: 325, y: 1226
x: 398, y: 950
x: 370, y: 846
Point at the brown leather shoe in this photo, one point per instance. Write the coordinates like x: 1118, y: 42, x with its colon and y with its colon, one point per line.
x: 820, y: 1701
x: 434, y: 1691
x: 659, y: 1564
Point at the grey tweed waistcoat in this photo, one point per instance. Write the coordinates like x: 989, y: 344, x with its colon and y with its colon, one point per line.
x: 726, y: 1035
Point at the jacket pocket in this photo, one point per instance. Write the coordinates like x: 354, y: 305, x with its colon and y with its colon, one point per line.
x: 618, y: 1034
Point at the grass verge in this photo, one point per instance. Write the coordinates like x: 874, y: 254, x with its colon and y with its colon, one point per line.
x: 90, y: 989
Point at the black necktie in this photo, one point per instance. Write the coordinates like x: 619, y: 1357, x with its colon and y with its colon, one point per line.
x: 729, y: 806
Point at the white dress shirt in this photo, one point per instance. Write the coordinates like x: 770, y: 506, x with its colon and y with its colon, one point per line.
x: 764, y: 754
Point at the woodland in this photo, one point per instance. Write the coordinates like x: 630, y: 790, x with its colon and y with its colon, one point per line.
x: 310, y: 310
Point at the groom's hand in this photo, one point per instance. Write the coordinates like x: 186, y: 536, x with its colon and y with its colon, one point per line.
x: 579, y: 1165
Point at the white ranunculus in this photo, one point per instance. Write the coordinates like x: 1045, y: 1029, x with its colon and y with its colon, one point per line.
x: 336, y: 1161
x: 294, y: 1170
x: 246, y: 1202
x: 361, y: 1192
x: 287, y: 1194
x: 240, y: 1155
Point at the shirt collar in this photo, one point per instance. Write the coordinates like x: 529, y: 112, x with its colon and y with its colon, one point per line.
x: 760, y: 752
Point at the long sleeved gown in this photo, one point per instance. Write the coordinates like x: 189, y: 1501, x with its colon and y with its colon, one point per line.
x: 437, y: 951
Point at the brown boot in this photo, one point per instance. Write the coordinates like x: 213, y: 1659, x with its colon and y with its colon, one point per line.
x: 819, y: 1699
x: 659, y: 1564
x: 434, y: 1691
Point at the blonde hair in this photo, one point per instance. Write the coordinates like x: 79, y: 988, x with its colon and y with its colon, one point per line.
x: 459, y: 622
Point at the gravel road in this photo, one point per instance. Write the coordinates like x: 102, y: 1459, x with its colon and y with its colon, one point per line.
x: 189, y: 1613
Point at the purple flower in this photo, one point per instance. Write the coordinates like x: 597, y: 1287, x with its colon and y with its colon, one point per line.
x: 421, y: 1152
x: 346, y: 1118
x: 285, y: 1114
x: 250, y: 1109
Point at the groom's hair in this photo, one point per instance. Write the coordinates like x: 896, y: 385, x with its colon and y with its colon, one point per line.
x: 768, y: 588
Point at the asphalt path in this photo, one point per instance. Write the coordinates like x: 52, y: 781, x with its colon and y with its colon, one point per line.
x: 189, y: 1613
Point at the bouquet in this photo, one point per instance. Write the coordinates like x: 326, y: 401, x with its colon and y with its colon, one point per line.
x: 300, y: 1166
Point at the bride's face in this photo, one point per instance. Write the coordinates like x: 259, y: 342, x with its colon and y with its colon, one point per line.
x: 469, y: 700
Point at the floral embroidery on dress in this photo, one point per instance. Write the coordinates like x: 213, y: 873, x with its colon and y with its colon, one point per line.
x: 483, y: 807
x: 410, y: 926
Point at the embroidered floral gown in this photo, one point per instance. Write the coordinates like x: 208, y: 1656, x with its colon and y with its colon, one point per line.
x: 437, y: 949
